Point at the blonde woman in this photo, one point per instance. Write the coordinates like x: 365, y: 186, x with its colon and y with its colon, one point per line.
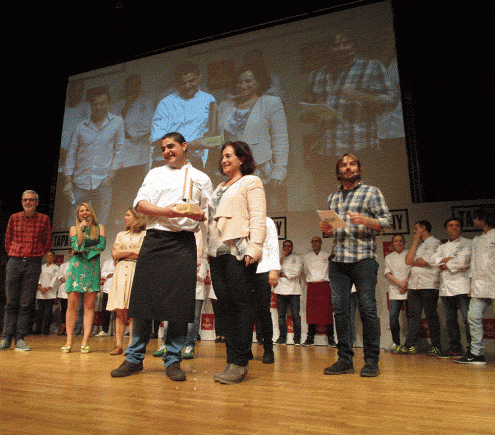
x: 88, y: 240
x: 125, y: 250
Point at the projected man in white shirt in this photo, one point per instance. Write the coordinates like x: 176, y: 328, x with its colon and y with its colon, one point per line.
x: 94, y: 155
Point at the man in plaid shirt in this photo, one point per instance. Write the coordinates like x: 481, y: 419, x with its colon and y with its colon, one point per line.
x: 356, y: 91
x: 27, y: 239
x: 352, y: 261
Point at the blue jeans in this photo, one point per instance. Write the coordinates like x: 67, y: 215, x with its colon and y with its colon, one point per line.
x: 193, y: 328
x: 363, y: 275
x: 395, y: 306
x: 477, y: 308
x: 21, y: 282
x: 451, y: 304
x: 175, y: 341
x: 283, y: 304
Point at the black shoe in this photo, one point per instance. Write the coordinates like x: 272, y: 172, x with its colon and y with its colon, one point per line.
x: 175, y: 373
x: 309, y: 342
x: 268, y: 357
x: 126, y: 369
x: 339, y: 368
x: 470, y: 358
x: 281, y: 341
x: 453, y: 354
x: 370, y: 370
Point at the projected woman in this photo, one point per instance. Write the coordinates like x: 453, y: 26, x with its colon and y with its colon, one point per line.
x: 88, y: 240
x: 259, y: 120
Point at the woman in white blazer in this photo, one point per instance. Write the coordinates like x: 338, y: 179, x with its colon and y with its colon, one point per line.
x: 259, y: 120
x: 236, y: 233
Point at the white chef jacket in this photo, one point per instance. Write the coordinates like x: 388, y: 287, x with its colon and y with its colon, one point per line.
x: 108, y: 268
x: 454, y: 281
x: 290, y: 284
x: 270, y: 259
x: 48, y: 278
x: 62, y: 272
x: 395, y: 264
x: 427, y: 277
x: 164, y: 186
x: 316, y: 266
x: 483, y: 266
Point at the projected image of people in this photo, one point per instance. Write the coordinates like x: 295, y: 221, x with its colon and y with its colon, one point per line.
x: 258, y: 119
x: 186, y: 111
x: 77, y: 109
x: 94, y: 155
x: 355, y: 91
x: 136, y: 109
x: 301, y: 95
x: 343, y: 100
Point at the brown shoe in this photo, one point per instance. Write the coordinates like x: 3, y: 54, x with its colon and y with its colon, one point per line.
x: 117, y: 351
x: 175, y: 373
x: 233, y: 375
x: 126, y: 369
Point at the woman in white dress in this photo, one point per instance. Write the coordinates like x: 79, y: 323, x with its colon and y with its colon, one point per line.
x: 125, y: 250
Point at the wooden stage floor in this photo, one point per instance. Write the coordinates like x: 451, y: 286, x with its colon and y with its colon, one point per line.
x: 47, y: 392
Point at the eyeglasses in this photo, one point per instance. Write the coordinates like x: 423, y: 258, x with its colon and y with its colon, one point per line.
x: 29, y: 200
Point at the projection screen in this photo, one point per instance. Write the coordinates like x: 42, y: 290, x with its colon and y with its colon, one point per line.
x: 319, y: 87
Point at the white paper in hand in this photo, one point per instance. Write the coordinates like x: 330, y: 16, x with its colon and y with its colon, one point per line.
x: 332, y: 218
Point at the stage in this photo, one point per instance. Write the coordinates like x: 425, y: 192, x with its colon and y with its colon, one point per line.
x: 45, y: 391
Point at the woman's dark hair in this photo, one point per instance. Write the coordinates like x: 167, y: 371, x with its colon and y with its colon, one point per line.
x: 261, y: 75
x: 242, y: 152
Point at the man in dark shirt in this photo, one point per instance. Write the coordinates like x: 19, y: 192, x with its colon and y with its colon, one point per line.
x: 27, y: 239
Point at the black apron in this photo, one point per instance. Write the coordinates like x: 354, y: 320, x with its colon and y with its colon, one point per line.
x: 164, y: 286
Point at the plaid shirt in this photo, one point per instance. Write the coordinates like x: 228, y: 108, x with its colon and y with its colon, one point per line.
x: 357, y: 242
x: 357, y: 128
x: 28, y: 236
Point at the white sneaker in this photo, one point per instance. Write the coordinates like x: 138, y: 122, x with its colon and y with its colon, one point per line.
x: 188, y: 353
x: 22, y: 345
x: 392, y: 348
x: 102, y: 334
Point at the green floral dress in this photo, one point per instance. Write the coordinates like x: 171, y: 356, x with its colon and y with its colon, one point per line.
x: 83, y: 274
